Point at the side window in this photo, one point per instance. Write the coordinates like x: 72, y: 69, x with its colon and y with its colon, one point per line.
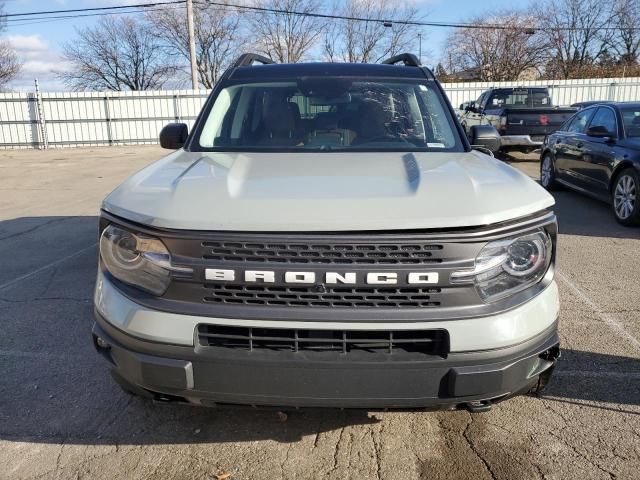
x: 604, y: 117
x: 580, y: 121
x: 494, y: 100
x: 480, y: 101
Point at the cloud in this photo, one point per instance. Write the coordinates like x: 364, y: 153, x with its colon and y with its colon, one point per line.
x: 39, y: 61
x: 28, y: 46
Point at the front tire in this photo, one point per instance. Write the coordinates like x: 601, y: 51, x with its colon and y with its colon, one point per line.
x: 548, y: 173
x: 625, y: 200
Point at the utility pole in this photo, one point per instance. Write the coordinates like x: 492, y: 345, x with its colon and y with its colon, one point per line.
x: 192, y: 45
x: 420, y: 47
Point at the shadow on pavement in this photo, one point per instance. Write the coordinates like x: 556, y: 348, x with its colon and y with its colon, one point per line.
x: 579, y: 214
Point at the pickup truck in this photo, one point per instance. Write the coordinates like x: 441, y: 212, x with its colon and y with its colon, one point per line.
x: 326, y: 236
x: 523, y: 116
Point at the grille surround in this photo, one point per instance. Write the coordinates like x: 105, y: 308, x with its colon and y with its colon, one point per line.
x: 377, y: 343
x: 460, y: 248
x: 320, y: 296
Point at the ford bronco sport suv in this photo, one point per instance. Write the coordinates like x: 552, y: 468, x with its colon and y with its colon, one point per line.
x: 325, y: 236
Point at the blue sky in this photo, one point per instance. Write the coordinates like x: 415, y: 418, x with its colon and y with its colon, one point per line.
x: 38, y: 44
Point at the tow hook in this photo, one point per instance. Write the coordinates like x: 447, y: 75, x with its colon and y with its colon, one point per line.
x: 478, y: 406
x: 552, y: 354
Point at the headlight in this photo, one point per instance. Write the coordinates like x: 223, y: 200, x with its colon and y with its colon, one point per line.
x: 137, y: 259
x: 505, y: 267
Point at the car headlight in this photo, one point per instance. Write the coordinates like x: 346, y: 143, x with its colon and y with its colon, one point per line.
x: 137, y: 259
x: 505, y: 267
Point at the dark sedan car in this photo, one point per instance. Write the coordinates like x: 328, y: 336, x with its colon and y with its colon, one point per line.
x: 597, y: 152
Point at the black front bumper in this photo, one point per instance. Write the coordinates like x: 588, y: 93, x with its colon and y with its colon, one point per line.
x: 213, y: 377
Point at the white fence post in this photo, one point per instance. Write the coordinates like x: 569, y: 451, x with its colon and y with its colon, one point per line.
x: 44, y: 141
x: 107, y: 113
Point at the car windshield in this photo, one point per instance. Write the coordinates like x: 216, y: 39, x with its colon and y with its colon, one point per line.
x: 329, y: 114
x: 520, y: 98
x: 631, y: 119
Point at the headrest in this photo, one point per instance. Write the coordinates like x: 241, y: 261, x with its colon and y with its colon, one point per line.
x: 326, y: 121
x: 279, y: 118
x: 372, y: 119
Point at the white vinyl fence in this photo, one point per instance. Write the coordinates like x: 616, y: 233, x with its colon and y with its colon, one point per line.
x: 43, y: 120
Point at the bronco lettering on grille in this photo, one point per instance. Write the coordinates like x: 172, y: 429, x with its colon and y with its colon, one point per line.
x: 330, y: 278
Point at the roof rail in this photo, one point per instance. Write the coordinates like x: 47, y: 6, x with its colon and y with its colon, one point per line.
x: 247, y: 59
x: 409, y: 60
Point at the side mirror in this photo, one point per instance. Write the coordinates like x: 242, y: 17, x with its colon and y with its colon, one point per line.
x: 461, y: 106
x: 174, y: 135
x: 599, y: 131
x: 486, y: 137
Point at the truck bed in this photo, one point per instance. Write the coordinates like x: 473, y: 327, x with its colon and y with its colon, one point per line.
x: 536, y: 122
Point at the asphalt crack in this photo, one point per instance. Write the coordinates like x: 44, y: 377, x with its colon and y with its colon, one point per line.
x: 588, y: 459
x: 36, y: 227
x: 377, y: 448
x: 465, y: 435
x: 286, y: 459
x: 336, y: 450
x: 47, y: 299
x: 59, y: 457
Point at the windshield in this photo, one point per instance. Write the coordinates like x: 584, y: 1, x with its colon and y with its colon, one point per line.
x: 519, y: 98
x: 329, y: 114
x: 631, y: 119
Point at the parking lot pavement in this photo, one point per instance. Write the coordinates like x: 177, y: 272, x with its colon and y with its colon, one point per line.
x: 62, y: 417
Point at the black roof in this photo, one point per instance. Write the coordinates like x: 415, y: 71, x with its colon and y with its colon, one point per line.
x: 591, y: 103
x: 289, y: 70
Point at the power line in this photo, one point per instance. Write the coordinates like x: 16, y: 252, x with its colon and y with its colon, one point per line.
x: 93, y: 9
x: 389, y: 22
x: 17, y: 22
x: 357, y: 19
x: 238, y: 7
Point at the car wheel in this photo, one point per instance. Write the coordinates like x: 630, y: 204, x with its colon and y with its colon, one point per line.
x: 548, y: 173
x: 624, y: 197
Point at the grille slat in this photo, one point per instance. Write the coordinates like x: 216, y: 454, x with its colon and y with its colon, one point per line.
x: 332, y: 297
x: 356, y: 254
x: 369, y: 342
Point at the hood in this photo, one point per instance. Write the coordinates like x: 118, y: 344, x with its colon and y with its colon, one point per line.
x: 326, y: 191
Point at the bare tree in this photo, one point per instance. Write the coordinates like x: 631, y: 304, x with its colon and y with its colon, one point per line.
x: 9, y: 64
x: 498, y: 54
x: 285, y: 36
x: 578, y: 31
x: 217, y: 36
x: 119, y: 53
x: 625, y: 41
x: 363, y: 42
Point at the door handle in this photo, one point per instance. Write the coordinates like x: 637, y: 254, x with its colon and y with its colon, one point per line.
x: 580, y: 144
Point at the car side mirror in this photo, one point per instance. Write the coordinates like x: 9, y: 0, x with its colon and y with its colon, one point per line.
x: 485, y: 137
x: 599, y: 131
x: 174, y: 135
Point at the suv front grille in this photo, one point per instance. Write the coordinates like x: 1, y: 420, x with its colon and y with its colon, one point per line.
x: 346, y: 297
x: 323, y: 253
x: 399, y: 342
